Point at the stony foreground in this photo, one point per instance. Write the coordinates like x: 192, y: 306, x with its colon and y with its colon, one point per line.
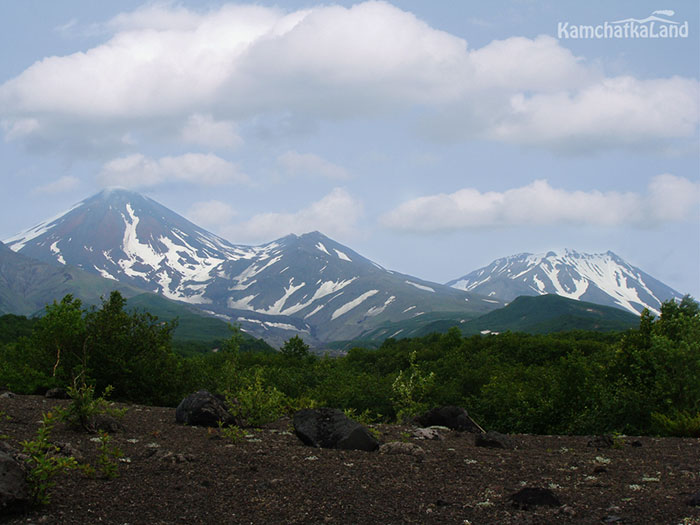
x: 176, y: 474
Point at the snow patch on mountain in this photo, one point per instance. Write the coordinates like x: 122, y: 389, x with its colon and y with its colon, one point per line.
x: 421, y: 286
x: 353, y: 304
x: 342, y: 256
x: 376, y: 310
x: 104, y: 273
x: 54, y: 249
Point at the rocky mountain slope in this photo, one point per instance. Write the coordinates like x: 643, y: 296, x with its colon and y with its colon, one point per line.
x: 27, y: 285
x: 602, y: 278
x: 308, y: 285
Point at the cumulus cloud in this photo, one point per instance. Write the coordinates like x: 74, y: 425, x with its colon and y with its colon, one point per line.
x: 211, y: 213
x: 139, y: 171
x: 19, y: 128
x: 336, y: 214
x: 295, y: 163
x: 164, y: 63
x: 668, y: 198
x: 205, y: 131
x: 60, y: 185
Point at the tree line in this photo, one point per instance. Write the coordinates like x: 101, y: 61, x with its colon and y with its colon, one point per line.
x: 642, y: 381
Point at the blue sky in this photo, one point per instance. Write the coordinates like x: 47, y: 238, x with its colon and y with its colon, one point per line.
x: 431, y: 137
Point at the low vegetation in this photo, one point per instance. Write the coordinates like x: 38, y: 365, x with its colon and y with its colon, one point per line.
x: 642, y: 381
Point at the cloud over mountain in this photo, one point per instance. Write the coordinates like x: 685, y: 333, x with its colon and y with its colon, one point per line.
x: 337, y: 213
x: 167, y: 67
x: 668, y: 198
x: 139, y: 171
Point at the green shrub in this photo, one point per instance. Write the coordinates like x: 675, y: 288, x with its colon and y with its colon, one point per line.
x: 254, y: 402
x: 43, y: 461
x: 84, y: 408
x: 108, y: 458
x: 410, y: 390
x: 679, y: 424
x: 232, y: 432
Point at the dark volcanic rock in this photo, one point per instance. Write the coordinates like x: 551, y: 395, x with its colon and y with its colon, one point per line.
x: 106, y: 423
x: 203, y: 409
x: 14, y: 491
x: 330, y: 428
x: 56, y: 393
x: 694, y: 501
x: 605, y: 441
x: 533, y: 496
x: 493, y: 439
x: 452, y: 417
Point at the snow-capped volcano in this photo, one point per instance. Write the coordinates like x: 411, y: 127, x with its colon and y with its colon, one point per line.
x: 306, y: 284
x: 602, y: 278
x: 124, y: 236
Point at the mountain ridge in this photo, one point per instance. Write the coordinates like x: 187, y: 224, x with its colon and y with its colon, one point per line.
x: 602, y: 278
x: 297, y: 285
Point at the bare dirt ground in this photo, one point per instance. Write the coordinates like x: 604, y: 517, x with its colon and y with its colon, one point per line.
x: 175, y: 474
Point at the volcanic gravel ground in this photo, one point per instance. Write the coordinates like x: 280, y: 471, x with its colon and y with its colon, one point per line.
x: 175, y: 474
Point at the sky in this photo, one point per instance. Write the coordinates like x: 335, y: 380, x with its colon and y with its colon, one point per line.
x: 431, y: 137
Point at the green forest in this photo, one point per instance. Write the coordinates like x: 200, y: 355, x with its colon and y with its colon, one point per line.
x: 644, y: 381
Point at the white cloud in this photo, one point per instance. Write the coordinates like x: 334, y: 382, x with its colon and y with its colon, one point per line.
x: 613, y: 112
x: 211, y: 213
x: 296, y: 163
x: 62, y: 184
x: 668, y: 198
x: 205, y: 131
x: 336, y: 214
x: 19, y: 128
x: 203, y: 70
x: 139, y: 171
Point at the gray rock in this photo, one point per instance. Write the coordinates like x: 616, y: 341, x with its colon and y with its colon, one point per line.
x: 106, y: 423
x: 399, y: 447
x: 493, y: 439
x: 427, y: 433
x: 14, y: 491
x: 330, y: 428
x: 203, y: 409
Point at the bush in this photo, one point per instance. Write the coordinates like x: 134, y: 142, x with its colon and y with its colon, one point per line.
x: 410, y: 390
x: 43, y: 461
x: 85, y: 408
x: 679, y: 424
x: 254, y: 402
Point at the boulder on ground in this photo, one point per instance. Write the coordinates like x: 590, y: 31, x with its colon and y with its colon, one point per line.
x: 534, y: 496
x: 203, y: 409
x: 493, y: 439
x: 604, y: 441
x: 452, y: 417
x: 427, y: 433
x: 399, y: 447
x: 694, y: 501
x: 330, y: 428
x: 56, y: 393
x: 14, y: 491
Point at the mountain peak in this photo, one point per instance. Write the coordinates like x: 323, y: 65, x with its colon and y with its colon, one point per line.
x: 602, y: 278
x: 115, y: 193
